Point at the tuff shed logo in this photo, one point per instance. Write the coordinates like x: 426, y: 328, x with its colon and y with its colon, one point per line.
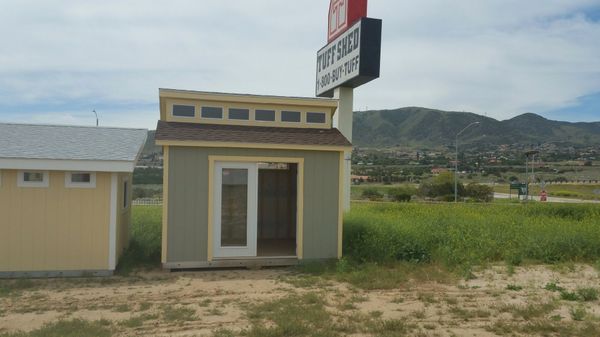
x: 343, y: 14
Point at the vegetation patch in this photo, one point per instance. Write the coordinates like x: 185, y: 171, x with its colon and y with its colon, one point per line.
x: 467, y: 235
x: 72, y: 328
x: 145, y: 245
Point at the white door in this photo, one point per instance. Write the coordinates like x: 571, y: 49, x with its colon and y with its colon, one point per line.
x: 235, y: 209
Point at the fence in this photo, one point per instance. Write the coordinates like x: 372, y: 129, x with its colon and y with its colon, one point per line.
x: 148, y: 202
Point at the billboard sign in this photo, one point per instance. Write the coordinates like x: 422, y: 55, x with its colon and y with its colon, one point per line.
x: 343, y: 14
x: 351, y: 59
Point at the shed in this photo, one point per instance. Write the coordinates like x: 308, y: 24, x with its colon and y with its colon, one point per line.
x: 65, y: 198
x: 249, y: 179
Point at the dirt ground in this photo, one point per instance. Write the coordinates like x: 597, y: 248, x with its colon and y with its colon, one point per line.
x: 531, y: 300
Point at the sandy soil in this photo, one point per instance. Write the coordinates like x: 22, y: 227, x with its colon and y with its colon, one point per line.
x: 219, y: 299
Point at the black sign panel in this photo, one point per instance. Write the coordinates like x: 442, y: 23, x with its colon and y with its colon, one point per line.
x: 352, y: 59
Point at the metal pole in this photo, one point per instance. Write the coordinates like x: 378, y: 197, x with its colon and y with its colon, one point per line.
x: 456, y: 172
x: 533, y: 171
x: 456, y: 161
x: 527, y: 177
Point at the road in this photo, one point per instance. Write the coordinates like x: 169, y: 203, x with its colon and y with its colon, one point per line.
x: 550, y: 199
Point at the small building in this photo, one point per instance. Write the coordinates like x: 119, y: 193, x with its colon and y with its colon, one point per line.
x: 65, y: 198
x: 436, y: 171
x: 249, y: 180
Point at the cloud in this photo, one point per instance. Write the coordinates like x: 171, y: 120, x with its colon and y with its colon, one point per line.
x: 500, y: 57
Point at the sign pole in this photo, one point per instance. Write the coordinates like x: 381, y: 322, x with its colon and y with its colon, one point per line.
x: 351, y: 58
x: 343, y: 122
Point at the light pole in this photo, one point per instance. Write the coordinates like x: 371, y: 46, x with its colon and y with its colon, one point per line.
x: 95, y: 113
x: 456, y: 161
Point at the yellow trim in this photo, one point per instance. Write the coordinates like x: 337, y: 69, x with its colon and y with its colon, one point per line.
x: 165, y: 215
x: 226, y: 105
x: 251, y: 99
x: 253, y: 145
x: 211, y: 176
x: 300, y: 199
x: 341, y: 205
x: 300, y: 212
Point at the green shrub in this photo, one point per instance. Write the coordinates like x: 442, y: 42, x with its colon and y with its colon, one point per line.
x: 568, y: 296
x: 441, y: 188
x: 372, y: 194
x: 402, y: 194
x: 480, y: 193
x: 588, y: 294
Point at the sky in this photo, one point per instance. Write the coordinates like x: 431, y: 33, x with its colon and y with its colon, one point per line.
x: 59, y: 60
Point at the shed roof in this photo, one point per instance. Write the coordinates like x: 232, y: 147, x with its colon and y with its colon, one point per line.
x: 68, y: 143
x: 244, y: 135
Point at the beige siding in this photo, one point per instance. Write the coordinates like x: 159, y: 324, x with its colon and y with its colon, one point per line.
x: 54, y: 228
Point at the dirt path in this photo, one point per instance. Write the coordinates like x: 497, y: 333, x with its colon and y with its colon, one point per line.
x: 498, y: 301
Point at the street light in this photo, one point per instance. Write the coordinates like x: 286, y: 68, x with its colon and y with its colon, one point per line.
x: 456, y: 161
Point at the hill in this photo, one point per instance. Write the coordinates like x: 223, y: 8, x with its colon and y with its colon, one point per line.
x: 422, y: 127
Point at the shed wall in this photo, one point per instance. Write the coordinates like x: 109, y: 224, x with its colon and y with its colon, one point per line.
x: 187, y: 220
x: 54, y: 228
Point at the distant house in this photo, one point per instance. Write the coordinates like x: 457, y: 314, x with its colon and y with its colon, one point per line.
x: 359, y: 179
x: 65, y: 196
x: 436, y: 171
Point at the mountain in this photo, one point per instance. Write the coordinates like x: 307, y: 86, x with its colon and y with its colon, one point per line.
x: 419, y: 127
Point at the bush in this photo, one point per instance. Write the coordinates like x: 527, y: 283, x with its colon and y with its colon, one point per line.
x: 372, y: 194
x: 402, y: 194
x: 480, y: 193
x: 441, y: 188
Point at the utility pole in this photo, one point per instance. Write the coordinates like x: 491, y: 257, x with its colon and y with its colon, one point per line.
x: 456, y: 161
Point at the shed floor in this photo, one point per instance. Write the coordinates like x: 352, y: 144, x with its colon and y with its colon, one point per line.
x: 276, y: 247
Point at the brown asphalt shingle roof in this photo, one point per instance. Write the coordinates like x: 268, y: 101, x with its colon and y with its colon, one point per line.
x: 176, y: 131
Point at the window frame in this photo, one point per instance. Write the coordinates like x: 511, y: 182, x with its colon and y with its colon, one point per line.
x: 45, y: 183
x: 324, y: 114
x: 212, y: 107
x: 183, y: 104
x: 299, y: 121
x: 238, y: 119
x: 70, y: 184
x: 274, y: 120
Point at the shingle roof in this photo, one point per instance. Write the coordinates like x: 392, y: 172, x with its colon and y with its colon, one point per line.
x: 175, y: 131
x: 61, y: 142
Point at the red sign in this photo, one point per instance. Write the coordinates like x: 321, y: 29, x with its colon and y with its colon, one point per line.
x: 343, y: 14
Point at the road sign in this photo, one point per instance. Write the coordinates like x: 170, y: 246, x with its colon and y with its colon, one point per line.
x: 521, y: 187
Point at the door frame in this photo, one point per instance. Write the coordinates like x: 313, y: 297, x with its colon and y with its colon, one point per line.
x: 212, y: 161
x: 249, y: 250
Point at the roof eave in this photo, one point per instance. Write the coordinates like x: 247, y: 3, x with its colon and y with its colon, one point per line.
x: 67, y: 165
x: 273, y: 146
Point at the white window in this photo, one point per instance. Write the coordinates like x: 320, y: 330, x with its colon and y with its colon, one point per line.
x: 80, y: 179
x: 33, y: 179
